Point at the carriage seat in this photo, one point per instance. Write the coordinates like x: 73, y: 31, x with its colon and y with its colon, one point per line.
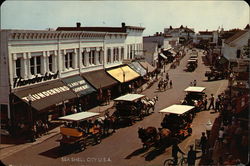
x: 71, y: 132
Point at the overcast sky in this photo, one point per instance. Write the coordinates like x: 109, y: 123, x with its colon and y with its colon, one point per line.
x: 153, y: 15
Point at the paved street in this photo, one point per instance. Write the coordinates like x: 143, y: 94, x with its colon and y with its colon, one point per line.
x: 123, y: 148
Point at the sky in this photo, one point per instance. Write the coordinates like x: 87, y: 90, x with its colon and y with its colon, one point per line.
x: 153, y: 15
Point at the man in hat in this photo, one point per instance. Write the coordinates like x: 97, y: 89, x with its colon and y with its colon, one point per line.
x: 191, y: 156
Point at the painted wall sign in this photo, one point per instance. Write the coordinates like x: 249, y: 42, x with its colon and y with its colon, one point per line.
x: 21, y: 82
x: 50, y: 92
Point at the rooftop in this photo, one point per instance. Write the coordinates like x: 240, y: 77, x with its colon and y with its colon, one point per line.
x: 235, y: 36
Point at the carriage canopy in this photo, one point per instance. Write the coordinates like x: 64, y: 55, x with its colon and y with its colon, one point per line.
x: 129, y: 97
x: 177, y: 109
x: 194, y: 89
x: 79, y: 116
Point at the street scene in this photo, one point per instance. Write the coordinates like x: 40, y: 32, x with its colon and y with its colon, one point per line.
x: 108, y: 95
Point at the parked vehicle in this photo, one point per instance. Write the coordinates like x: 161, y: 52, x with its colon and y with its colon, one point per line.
x: 191, y: 65
x: 214, y: 74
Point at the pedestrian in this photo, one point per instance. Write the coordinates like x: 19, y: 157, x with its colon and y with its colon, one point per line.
x: 108, y: 96
x: 191, y: 157
x: 221, y: 136
x: 205, y: 102
x: 165, y: 84
x: 211, y: 102
x: 203, y: 143
x: 217, y: 105
x: 191, y: 84
x: 170, y: 83
x: 195, y: 82
x: 167, y: 76
x: 175, y: 150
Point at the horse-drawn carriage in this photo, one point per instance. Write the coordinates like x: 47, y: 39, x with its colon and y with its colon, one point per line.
x: 194, y: 97
x: 178, y: 119
x: 191, y: 65
x: 132, y: 107
x: 79, y: 131
x: 176, y: 125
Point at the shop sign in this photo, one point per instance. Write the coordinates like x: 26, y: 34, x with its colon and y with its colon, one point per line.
x: 21, y: 82
x: 50, y: 92
x: 78, y: 85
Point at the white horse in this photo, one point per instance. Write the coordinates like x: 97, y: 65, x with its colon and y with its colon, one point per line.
x: 149, y: 103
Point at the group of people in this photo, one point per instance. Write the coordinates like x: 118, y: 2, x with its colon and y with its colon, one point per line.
x: 191, y: 155
x: 163, y: 84
x: 38, y: 129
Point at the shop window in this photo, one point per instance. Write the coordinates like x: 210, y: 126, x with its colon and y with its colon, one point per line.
x: 18, y: 67
x: 32, y: 65
x: 83, y: 58
x: 38, y: 65
x: 92, y: 57
x: 116, y: 54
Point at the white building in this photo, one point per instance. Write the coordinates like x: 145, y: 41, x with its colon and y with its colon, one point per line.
x: 33, y: 57
x: 210, y: 36
x: 151, y: 52
x: 184, y: 33
x: 234, y: 48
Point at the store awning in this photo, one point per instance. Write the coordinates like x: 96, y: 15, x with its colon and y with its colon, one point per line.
x: 46, y: 94
x: 99, y: 79
x: 163, y: 56
x: 147, y: 66
x: 79, y: 116
x: 78, y: 85
x: 138, y: 68
x: 123, y: 74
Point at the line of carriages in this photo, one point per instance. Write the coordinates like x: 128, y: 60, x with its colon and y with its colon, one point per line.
x: 177, y: 122
x: 89, y: 128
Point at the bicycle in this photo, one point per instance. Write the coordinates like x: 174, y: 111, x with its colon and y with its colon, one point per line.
x: 182, y: 161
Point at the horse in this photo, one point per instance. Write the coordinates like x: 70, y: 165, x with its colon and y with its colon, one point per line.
x: 109, y: 122
x: 151, y: 137
x: 148, y: 136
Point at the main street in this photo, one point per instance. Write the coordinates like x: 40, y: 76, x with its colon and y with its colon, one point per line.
x: 124, y: 148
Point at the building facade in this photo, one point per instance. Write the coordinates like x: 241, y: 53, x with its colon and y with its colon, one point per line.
x: 30, y: 58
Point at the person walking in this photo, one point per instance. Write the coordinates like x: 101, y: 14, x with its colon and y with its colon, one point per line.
x: 205, y: 102
x: 167, y: 76
x: 175, y: 150
x: 211, y: 102
x: 191, y: 84
x: 203, y: 143
x: 170, y: 83
x: 217, y: 105
x: 191, y: 157
x: 195, y: 82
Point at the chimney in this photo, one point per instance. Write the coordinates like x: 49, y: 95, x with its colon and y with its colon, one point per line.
x: 78, y: 24
x: 123, y: 24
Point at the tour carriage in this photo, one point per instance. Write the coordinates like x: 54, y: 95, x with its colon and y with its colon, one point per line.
x: 178, y: 119
x: 129, y: 108
x: 194, y: 97
x: 79, y: 131
x: 191, y: 65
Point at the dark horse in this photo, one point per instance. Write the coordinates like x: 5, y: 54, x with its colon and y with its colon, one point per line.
x: 109, y: 122
x: 150, y: 136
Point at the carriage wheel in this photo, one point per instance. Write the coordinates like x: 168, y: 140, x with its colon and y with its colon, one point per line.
x: 168, y: 162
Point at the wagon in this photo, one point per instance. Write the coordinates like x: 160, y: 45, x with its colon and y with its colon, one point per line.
x: 191, y: 65
x: 178, y: 119
x: 194, y: 96
x: 77, y: 132
x: 129, y: 108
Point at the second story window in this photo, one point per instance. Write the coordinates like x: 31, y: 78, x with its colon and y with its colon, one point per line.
x: 35, y: 65
x: 99, y: 57
x: 108, y: 55
x: 50, y: 63
x: 68, y: 60
x: 18, y: 67
x: 92, y: 57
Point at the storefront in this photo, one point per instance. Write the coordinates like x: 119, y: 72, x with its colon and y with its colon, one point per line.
x: 125, y: 75
x: 84, y: 91
x: 149, y: 69
x: 39, y: 102
x: 140, y: 70
x: 103, y: 82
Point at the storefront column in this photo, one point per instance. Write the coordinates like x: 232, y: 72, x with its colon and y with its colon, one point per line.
x: 75, y: 59
x: 97, y: 51
x: 26, y: 65
x: 111, y: 55
x: 54, y: 62
x: 86, y: 57
x: 80, y: 65
x: 14, y: 58
x: 44, y: 62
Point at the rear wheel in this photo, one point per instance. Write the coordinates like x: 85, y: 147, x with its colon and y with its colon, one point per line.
x: 168, y: 162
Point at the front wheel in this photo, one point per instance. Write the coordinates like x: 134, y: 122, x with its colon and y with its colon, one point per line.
x: 168, y: 162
